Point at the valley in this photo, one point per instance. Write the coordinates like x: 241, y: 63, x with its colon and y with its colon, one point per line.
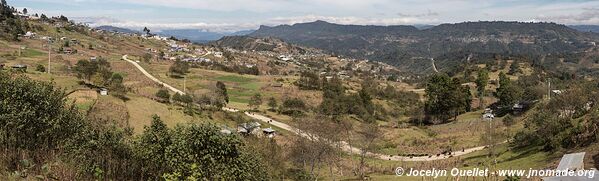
x: 309, y: 101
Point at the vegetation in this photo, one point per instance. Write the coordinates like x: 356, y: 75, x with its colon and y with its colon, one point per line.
x: 164, y: 96
x: 256, y: 101
x: 10, y: 26
x: 179, y: 69
x: 94, y: 151
x: 446, y: 98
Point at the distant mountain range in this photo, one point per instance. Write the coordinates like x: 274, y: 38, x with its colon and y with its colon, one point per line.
x: 194, y: 35
x: 586, y: 28
x: 116, y: 29
x: 200, y: 36
x: 406, y: 46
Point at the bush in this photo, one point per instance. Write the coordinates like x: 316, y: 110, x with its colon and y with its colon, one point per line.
x: 163, y: 95
x: 40, y: 68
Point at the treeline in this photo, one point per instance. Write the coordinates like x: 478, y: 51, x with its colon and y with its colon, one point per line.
x: 45, y: 137
x: 99, y: 74
x: 10, y: 25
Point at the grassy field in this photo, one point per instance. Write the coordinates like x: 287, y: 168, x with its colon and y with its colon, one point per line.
x: 84, y: 99
x: 141, y: 110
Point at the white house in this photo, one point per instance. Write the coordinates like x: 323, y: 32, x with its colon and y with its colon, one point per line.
x: 218, y: 54
x: 104, y: 91
x: 29, y: 34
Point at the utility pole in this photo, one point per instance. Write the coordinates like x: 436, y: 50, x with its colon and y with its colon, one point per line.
x: 549, y: 89
x: 488, y: 116
x: 49, y: 49
x: 184, y: 84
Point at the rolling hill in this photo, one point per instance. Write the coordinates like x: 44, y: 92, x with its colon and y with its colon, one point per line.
x: 404, y: 46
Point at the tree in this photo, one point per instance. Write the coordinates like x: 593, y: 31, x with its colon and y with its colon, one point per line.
x: 293, y: 106
x: 40, y: 68
x: 508, y: 121
x: 146, y: 30
x: 507, y: 92
x: 222, y: 90
x: 179, y: 69
x: 25, y: 11
x: 36, y: 117
x: 256, y: 101
x: 202, y: 152
x: 85, y: 69
x: 43, y: 17
x: 320, y: 146
x: 308, y: 81
x: 481, y: 83
x: 367, y: 135
x: 151, y: 147
x: 147, y: 57
x: 446, y: 98
x: 272, y: 103
x: 163, y: 95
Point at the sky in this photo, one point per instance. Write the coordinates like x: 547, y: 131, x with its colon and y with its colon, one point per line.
x: 235, y: 15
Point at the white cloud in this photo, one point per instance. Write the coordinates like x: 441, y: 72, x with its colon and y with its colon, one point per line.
x: 231, y: 27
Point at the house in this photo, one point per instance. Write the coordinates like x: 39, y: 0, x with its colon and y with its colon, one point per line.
x: 20, y: 67
x: 269, y: 132
x: 93, y: 59
x: 103, y: 91
x: 557, y: 92
x: 218, y: 54
x: 68, y: 51
x: 573, y: 162
x: 285, y: 57
x: 29, y: 34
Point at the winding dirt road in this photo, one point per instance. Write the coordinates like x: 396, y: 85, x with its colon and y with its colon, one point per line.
x: 344, y: 145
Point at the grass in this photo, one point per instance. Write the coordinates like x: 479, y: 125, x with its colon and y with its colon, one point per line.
x: 141, y: 110
x: 32, y: 53
x: 234, y: 78
x: 507, y: 158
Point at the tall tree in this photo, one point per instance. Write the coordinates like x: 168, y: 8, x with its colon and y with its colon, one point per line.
x: 446, y: 98
x: 256, y: 101
x: 146, y: 30
x: 507, y: 92
x: 272, y: 103
x: 222, y: 90
x: 481, y: 83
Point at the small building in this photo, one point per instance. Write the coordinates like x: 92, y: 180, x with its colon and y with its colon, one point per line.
x: 269, y: 132
x: 93, y: 59
x: 218, y: 54
x: 20, y: 67
x: 2, y: 66
x: 29, y: 34
x: 68, y: 51
x: 104, y: 91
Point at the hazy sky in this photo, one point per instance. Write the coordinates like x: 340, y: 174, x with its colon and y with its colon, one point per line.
x: 232, y: 15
